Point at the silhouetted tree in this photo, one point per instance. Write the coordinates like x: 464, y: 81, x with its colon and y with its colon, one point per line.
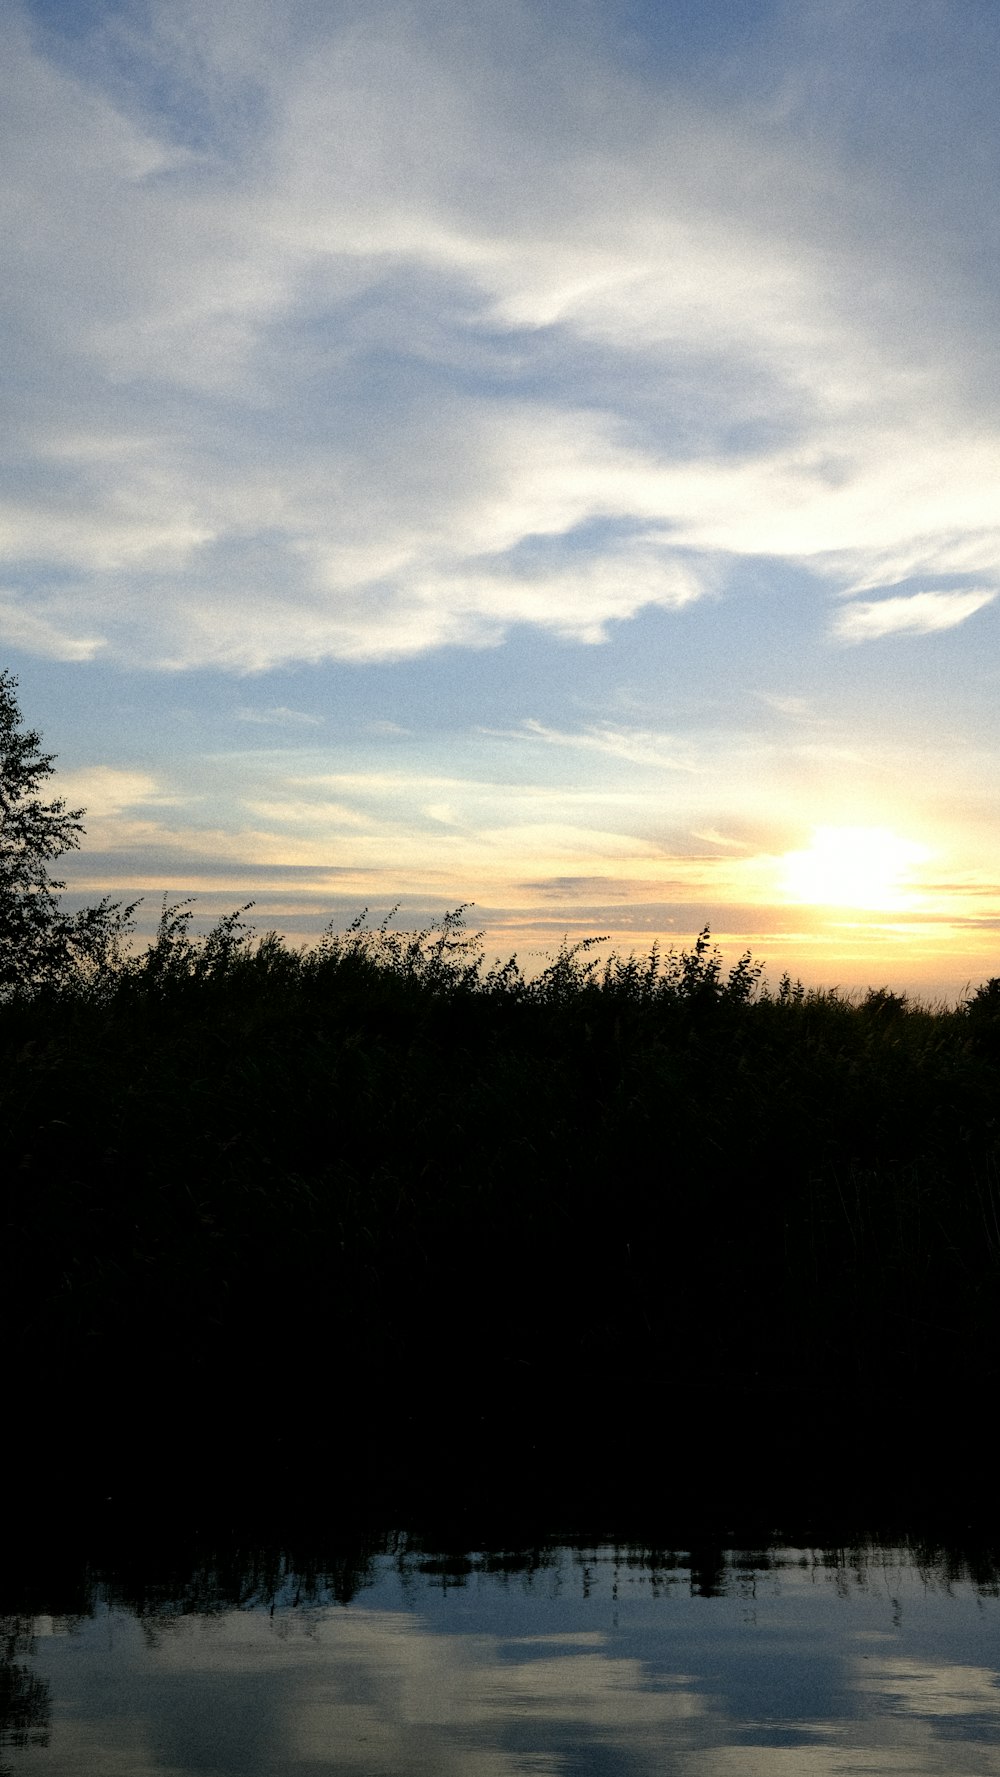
x: 39, y: 943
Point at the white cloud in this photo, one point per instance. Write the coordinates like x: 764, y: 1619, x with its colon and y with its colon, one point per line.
x: 106, y: 790
x: 304, y: 358
x: 45, y: 635
x: 636, y: 746
x: 277, y: 716
x: 918, y: 613
x: 795, y: 708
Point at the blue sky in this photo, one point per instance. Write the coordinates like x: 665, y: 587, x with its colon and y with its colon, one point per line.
x: 542, y: 456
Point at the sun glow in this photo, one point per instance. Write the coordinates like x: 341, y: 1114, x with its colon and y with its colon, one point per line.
x: 868, y: 867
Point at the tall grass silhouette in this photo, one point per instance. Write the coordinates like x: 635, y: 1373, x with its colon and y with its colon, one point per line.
x: 386, y: 1168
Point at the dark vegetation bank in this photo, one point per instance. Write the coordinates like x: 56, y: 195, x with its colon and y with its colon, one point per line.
x: 644, y: 1218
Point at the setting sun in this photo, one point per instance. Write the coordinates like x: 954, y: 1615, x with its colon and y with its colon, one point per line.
x: 867, y: 867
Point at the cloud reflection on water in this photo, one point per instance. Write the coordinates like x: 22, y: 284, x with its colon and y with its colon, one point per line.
x: 789, y: 1673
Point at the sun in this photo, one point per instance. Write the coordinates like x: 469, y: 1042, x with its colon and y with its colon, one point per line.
x: 868, y: 867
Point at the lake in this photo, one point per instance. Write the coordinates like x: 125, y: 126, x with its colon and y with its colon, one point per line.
x: 399, y: 1656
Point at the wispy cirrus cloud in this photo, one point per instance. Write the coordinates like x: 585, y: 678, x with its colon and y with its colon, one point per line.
x: 915, y: 613
x: 317, y: 319
x: 277, y: 716
x: 50, y: 635
x: 635, y: 746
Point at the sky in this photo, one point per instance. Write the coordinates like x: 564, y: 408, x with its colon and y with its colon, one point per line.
x: 542, y: 456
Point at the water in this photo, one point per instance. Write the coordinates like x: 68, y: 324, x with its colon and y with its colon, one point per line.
x: 604, y: 1660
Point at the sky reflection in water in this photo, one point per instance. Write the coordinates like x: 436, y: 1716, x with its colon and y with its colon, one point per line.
x: 596, y: 1662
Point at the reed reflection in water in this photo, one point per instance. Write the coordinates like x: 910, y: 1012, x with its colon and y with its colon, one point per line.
x: 590, y: 1661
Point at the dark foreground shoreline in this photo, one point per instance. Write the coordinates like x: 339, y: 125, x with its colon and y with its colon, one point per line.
x: 168, y: 1490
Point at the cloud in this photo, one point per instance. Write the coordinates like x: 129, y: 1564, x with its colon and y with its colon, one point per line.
x: 44, y: 635
x: 714, y: 837
x: 319, y: 321
x: 277, y: 716
x: 918, y: 613
x: 795, y: 708
x: 105, y: 791
x: 636, y: 746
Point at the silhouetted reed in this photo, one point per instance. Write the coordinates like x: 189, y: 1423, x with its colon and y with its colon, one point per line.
x: 382, y: 1169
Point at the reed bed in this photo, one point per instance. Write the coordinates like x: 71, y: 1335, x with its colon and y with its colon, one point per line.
x: 258, y: 1187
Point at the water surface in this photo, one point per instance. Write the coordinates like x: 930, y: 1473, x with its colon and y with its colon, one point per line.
x: 504, y: 1664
